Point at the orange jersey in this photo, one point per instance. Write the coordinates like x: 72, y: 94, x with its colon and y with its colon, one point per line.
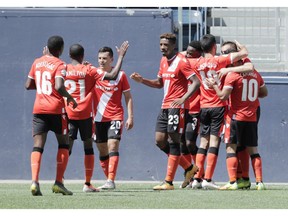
x: 44, y: 71
x: 244, y: 96
x: 207, y: 68
x: 175, y: 73
x: 80, y: 82
x: 108, y: 103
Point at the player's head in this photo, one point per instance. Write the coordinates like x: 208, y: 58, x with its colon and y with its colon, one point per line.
x: 105, y: 58
x: 167, y: 44
x: 76, y: 52
x: 194, y: 49
x: 228, y: 47
x: 55, y: 45
x: 208, y: 44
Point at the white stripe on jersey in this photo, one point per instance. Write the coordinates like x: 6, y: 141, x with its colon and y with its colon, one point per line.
x: 166, y: 88
x: 105, y: 97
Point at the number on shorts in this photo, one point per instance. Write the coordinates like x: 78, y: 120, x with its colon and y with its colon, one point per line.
x: 173, y: 119
x: 115, y: 125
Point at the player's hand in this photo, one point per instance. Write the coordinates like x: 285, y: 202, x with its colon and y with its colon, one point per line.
x: 45, y: 50
x: 86, y: 63
x: 177, y: 102
x: 222, y: 72
x: 71, y: 101
x: 137, y: 77
x: 210, y: 82
x: 129, y: 124
x: 123, y: 48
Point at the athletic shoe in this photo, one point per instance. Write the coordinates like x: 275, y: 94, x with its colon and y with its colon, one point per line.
x: 109, y: 185
x: 35, y: 189
x: 189, y: 175
x: 90, y: 188
x: 164, y: 186
x: 260, y: 186
x: 58, y: 187
x: 196, y: 185
x: 209, y: 185
x: 243, y: 184
x: 229, y: 186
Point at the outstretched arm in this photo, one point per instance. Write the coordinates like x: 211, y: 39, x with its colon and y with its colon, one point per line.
x: 245, y: 68
x: 121, y: 53
x: 156, y: 83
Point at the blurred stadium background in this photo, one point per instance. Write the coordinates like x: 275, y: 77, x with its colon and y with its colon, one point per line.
x: 24, y: 32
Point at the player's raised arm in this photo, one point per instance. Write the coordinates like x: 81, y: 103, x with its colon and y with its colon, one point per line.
x: 121, y: 53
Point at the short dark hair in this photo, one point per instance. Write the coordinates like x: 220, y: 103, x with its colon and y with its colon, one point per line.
x: 169, y: 36
x: 196, y: 45
x: 76, y: 51
x: 55, y: 44
x: 207, y: 42
x: 233, y: 47
x: 106, y: 49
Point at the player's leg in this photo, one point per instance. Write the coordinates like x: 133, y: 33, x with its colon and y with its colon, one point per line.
x: 101, y: 131
x: 59, y: 125
x: 40, y: 129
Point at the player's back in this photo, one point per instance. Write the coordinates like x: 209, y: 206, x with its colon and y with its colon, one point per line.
x: 206, y: 68
x: 44, y: 71
x: 80, y: 81
x: 244, y: 96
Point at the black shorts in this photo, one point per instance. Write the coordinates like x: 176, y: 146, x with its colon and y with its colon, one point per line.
x: 241, y: 133
x: 108, y: 130
x: 57, y: 123
x: 211, y: 120
x: 171, y: 120
x: 84, y: 127
x: 192, y: 127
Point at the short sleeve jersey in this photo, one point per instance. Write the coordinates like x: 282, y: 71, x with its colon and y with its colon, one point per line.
x: 175, y: 73
x: 108, y: 105
x: 44, y: 72
x: 80, y: 82
x: 194, y: 100
x: 206, y: 68
x: 245, y: 88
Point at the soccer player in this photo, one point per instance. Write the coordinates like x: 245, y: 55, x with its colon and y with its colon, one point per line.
x: 47, y: 76
x: 110, y: 115
x: 174, y: 73
x: 243, y: 180
x: 212, y: 109
x: 188, y: 139
x: 80, y: 82
x: 241, y: 121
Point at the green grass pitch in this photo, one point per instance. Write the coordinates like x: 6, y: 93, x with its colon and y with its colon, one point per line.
x: 139, y: 195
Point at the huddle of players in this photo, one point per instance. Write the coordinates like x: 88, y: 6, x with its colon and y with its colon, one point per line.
x: 90, y: 97
x: 228, y: 95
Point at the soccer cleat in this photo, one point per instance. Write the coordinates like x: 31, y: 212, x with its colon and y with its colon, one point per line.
x: 243, y: 184
x: 58, y: 187
x: 164, y: 186
x: 35, y: 189
x: 229, y: 186
x: 196, y: 185
x: 90, y: 188
x: 260, y: 186
x: 109, y: 185
x: 189, y: 175
x: 209, y: 185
